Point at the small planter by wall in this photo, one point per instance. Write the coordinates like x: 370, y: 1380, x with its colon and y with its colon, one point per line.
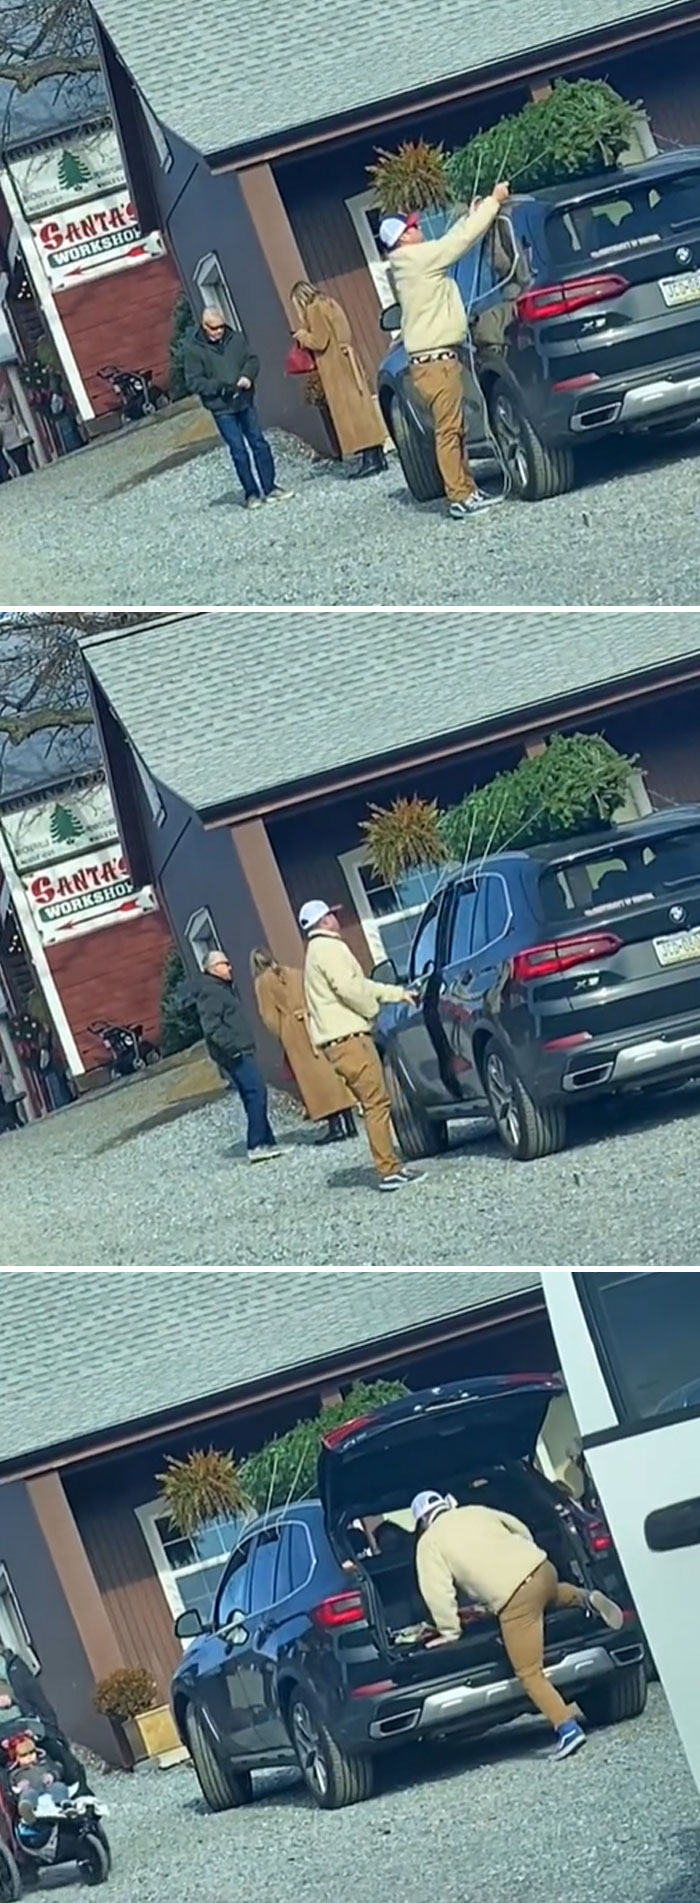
x: 154, y: 1733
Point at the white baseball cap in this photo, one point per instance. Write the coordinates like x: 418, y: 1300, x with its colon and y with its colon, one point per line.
x: 312, y: 912
x: 424, y: 1504
x: 391, y: 229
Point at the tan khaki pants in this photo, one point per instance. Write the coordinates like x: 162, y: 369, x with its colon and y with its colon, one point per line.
x: 522, y: 1631
x: 357, y: 1061
x: 440, y: 385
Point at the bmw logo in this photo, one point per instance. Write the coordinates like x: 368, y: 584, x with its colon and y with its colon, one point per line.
x: 683, y: 254
x: 677, y: 915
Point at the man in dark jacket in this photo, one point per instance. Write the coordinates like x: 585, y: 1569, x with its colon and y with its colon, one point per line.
x: 230, y: 1043
x: 220, y: 367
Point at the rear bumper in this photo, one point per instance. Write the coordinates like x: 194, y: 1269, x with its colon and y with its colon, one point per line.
x: 618, y: 1064
x: 480, y: 1702
x: 634, y: 402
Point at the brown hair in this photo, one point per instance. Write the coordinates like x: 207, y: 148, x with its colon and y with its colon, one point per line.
x: 302, y: 294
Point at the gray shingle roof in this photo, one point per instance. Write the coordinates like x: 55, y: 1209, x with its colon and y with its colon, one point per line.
x: 223, y: 706
x: 124, y: 1344
x: 226, y: 75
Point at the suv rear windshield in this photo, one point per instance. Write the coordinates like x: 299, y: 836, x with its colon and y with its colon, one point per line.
x: 632, y: 216
x: 622, y: 876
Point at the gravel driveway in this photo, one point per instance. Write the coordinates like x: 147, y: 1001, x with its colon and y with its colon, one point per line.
x: 181, y: 539
x: 477, y: 1823
x: 183, y: 1194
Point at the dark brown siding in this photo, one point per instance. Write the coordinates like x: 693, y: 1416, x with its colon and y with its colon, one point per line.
x: 114, y: 974
x: 66, y: 1675
x: 129, y: 1584
x: 124, y: 318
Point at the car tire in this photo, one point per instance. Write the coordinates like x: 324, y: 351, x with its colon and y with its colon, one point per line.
x: 223, y: 1788
x: 527, y: 1130
x: 333, y: 1779
x: 416, y: 455
x: 416, y: 1134
x: 623, y: 1696
x: 537, y: 470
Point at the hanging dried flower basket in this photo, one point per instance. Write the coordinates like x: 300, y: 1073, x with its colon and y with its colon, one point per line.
x: 404, y: 836
x: 415, y: 178
x: 204, y: 1486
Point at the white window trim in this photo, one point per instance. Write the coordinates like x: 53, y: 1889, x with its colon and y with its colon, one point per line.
x: 357, y: 209
x: 147, y: 1516
x: 192, y: 933
x: 20, y: 1639
x: 350, y: 863
x: 223, y: 300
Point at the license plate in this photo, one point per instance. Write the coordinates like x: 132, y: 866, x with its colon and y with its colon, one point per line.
x: 684, y: 289
x: 679, y: 949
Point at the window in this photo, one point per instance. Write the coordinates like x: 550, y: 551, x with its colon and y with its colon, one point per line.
x: 189, y: 1568
x: 366, y: 219
x: 236, y: 1592
x: 498, y: 910
x: 163, y: 152
x: 632, y: 216
x: 647, y: 1331
x: 389, y: 914
x: 13, y: 1629
x: 214, y: 291
x: 461, y: 924
x: 295, y: 1560
x: 152, y: 791
x: 202, y: 935
x: 262, y: 1593
x: 624, y: 874
x: 425, y: 943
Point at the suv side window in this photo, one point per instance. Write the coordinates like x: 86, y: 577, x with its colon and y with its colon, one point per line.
x: 425, y: 942
x: 492, y: 909
x: 234, y: 1595
x: 295, y: 1560
x: 262, y: 1592
x: 464, y: 899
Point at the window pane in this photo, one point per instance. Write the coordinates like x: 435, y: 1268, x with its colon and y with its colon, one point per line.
x: 496, y: 909
x: 625, y: 874
x: 264, y: 1564
x: 200, y: 1589
x: 283, y: 1570
x: 236, y: 1592
x: 424, y: 945
x: 302, y: 1558
x: 397, y: 935
x: 462, y: 921
x: 647, y: 1328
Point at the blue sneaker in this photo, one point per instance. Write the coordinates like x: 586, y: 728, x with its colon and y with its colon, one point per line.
x: 570, y: 1737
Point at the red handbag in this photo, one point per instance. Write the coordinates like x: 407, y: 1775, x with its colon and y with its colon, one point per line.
x: 300, y: 362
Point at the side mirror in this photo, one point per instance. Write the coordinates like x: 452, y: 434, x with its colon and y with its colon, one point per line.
x: 385, y: 973
x: 391, y: 318
x: 190, y: 1624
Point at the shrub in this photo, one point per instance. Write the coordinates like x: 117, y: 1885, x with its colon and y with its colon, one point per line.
x: 403, y: 835
x: 415, y: 178
x: 126, y: 1693
x: 578, y: 782
x: 205, y: 1486
x: 285, y: 1468
x: 184, y: 325
x: 582, y: 126
x: 179, y: 1018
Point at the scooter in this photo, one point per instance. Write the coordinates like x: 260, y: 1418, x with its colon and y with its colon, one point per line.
x: 127, y: 1048
x: 138, y: 395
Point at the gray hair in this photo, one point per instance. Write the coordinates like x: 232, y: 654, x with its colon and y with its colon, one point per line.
x: 212, y: 959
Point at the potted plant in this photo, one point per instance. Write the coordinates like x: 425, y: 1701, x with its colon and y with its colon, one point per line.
x: 205, y: 1486
x: 414, y: 178
x: 128, y: 1699
x: 403, y: 836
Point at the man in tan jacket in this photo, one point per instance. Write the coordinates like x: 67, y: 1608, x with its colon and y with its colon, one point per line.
x: 342, y: 1005
x: 434, y: 331
x: 494, y: 1559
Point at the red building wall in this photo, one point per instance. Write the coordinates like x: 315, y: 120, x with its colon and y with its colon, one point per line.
x: 124, y: 318
x: 114, y: 974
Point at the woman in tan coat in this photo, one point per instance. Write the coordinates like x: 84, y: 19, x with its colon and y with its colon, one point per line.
x: 279, y: 995
x: 325, y: 331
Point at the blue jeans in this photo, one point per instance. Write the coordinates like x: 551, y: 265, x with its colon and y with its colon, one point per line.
x: 240, y: 431
x: 253, y: 1094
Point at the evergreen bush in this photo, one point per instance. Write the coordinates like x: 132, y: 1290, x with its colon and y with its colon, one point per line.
x: 179, y: 1018
x: 285, y: 1468
x: 184, y: 325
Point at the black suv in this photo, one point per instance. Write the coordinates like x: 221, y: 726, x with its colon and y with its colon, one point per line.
x: 585, y: 321
x: 547, y: 977
x: 308, y: 1658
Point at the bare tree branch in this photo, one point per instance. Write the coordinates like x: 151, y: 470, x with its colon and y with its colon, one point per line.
x: 24, y: 76
x: 46, y: 723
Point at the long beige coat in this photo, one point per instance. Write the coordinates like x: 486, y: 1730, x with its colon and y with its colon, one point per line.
x: 280, y: 1000
x: 354, y: 413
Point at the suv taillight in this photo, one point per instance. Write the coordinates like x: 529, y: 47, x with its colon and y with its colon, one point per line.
x: 598, y: 1537
x: 562, y: 954
x: 562, y: 300
x: 343, y: 1608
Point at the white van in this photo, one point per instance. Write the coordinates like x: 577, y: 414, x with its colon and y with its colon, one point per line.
x: 629, y: 1349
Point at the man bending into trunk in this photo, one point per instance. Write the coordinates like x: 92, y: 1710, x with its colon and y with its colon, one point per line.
x: 493, y: 1557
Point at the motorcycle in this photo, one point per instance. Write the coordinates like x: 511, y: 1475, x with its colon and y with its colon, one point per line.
x: 127, y: 1049
x: 138, y: 395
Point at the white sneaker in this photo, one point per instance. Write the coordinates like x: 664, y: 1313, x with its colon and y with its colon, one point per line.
x: 399, y: 1180
x: 263, y: 1153
x: 607, y: 1610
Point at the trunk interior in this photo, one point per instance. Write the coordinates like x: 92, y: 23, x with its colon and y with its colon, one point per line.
x: 392, y: 1589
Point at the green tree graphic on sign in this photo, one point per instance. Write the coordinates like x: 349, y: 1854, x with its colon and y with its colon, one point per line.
x: 72, y: 172
x: 65, y: 826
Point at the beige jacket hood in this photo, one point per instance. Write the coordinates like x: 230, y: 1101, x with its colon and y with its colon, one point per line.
x: 478, y: 1550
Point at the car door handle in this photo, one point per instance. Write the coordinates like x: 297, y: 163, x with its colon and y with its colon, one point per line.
x: 668, y: 1528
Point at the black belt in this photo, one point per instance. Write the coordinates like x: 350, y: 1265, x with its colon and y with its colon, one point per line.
x: 341, y: 1040
x: 437, y: 356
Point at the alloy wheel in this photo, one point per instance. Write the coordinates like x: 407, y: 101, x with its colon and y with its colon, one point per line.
x: 503, y: 1099
x: 309, y: 1746
x: 509, y: 435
